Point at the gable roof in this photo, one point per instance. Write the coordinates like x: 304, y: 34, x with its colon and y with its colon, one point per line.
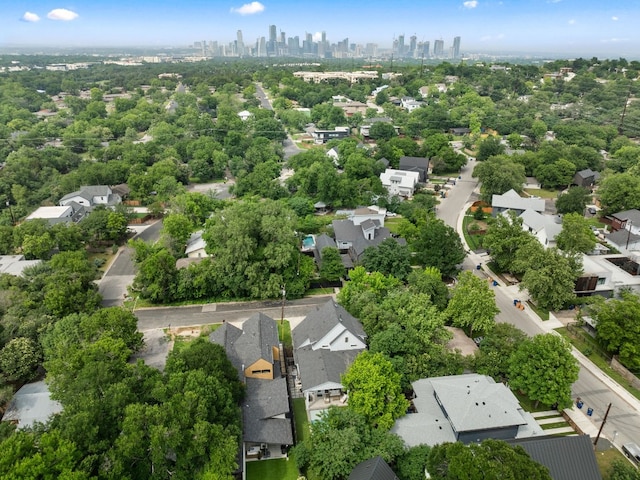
x: 632, y: 216
x: 226, y: 336
x: 373, y: 469
x: 567, y: 458
x: 322, y: 366
x: 512, y: 200
x: 195, y: 242
x: 320, y: 321
x: 537, y: 222
x: 31, y: 403
x: 413, y: 163
x: 265, y: 401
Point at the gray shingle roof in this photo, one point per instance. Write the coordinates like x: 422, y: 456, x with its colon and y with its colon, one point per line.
x: 265, y: 400
x: 476, y: 402
x: 512, y: 200
x: 373, y: 469
x: 226, y: 336
x: 320, y: 321
x: 629, y: 215
x: 567, y: 458
x: 321, y: 366
x: 345, y: 231
x: 31, y: 403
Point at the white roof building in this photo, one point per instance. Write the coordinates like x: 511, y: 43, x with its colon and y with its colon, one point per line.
x: 399, y: 182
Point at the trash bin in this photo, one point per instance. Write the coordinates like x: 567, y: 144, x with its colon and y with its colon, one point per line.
x: 579, y: 404
x: 479, y: 266
x: 495, y: 284
x: 589, y: 411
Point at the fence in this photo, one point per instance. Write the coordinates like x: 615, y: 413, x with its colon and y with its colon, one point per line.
x: 628, y: 375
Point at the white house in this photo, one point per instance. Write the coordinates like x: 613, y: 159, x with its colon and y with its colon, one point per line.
x: 92, y: 195
x: 512, y: 201
x: 53, y: 215
x: 544, y: 227
x: 325, y: 345
x: 399, y: 182
x: 196, y: 246
x: 245, y: 115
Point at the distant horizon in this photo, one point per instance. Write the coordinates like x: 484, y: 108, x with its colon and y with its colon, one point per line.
x: 558, y: 28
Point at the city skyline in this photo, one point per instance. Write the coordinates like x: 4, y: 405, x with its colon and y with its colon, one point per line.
x: 569, y: 27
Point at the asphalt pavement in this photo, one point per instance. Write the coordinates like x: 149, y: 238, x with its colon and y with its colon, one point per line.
x: 596, y: 389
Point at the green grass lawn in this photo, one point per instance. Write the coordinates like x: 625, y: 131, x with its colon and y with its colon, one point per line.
x: 542, y: 193
x: 300, y: 418
x: 541, y: 312
x: 474, y: 241
x: 529, y: 405
x: 284, y: 333
x: 319, y: 291
x: 605, y: 461
x: 276, y: 469
x: 392, y: 224
x: 550, y: 426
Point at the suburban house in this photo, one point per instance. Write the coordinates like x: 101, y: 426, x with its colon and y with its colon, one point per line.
x: 567, y: 457
x: 352, y: 240
x: 626, y: 220
x: 31, y: 403
x: 320, y: 242
x: 255, y: 351
x: 323, y: 136
x: 15, y: 264
x: 512, y: 201
x: 334, y: 155
x: 196, y: 245
x: 624, y: 241
x: 245, y: 115
x: 606, y: 275
x: 544, y: 227
x: 352, y: 107
x: 91, y: 196
x: 367, y: 123
x: 373, y: 469
x: 415, y: 164
x: 325, y: 344
x: 586, y: 178
x: 460, y: 131
x: 53, y: 215
x: 466, y: 408
x: 400, y: 182
x: 410, y: 104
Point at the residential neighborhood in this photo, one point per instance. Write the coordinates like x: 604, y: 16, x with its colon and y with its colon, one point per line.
x: 393, y: 272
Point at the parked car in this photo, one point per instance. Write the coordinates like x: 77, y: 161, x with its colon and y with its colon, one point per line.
x: 632, y: 451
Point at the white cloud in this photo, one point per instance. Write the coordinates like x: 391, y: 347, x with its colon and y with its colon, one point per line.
x: 30, y: 17
x: 615, y: 19
x: 249, y: 8
x: 470, y: 4
x: 571, y: 22
x: 614, y: 40
x: 62, y: 14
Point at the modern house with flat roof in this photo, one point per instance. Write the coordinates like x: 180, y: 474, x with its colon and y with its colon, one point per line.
x: 400, y: 182
x: 466, y: 408
x: 53, y: 215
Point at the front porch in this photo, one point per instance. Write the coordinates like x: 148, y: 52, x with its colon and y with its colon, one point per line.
x: 265, y: 451
x: 323, y: 399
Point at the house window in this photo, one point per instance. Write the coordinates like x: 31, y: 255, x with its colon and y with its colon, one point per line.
x: 346, y: 339
x: 602, y: 281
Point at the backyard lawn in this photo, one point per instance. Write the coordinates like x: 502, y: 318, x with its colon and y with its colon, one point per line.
x: 276, y: 469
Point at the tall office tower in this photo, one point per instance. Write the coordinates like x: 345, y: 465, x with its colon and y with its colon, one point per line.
x: 240, y: 46
x: 294, y: 46
x: 425, y: 49
x: 371, y: 49
x: 262, y: 47
x: 400, y: 51
x: 456, y: 47
x: 438, y: 48
x: 413, y: 42
x: 213, y: 48
x: 273, y: 38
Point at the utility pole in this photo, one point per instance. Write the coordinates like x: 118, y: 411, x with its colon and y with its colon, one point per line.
x: 629, y: 224
x: 284, y: 295
x: 13, y: 220
x: 604, y: 420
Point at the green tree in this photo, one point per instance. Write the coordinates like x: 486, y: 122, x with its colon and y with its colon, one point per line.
x: 544, y: 369
x: 498, y: 175
x: 618, y: 331
x: 503, y: 239
x: 623, y: 470
x: 429, y: 281
x: 574, y: 201
x: 331, y: 267
x: 390, y: 258
x: 156, y: 279
x: 496, y: 348
x: 19, y: 359
x: 412, y: 463
x: 618, y: 192
x: 490, y: 460
x: 472, y: 305
x: 382, y: 131
x: 438, y: 245
x: 576, y: 235
x: 375, y: 390
x: 177, y: 227
x: 340, y: 440
x: 489, y: 147
x: 551, y: 280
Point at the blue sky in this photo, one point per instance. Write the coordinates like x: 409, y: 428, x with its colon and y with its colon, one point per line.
x: 571, y: 27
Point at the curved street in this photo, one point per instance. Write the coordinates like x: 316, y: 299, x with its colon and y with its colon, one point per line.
x: 595, y: 388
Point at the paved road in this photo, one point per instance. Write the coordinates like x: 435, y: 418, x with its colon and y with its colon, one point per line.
x: 290, y: 147
x: 262, y: 96
x: 162, y: 317
x: 592, y: 386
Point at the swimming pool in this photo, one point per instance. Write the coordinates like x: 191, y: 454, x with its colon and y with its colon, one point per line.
x: 308, y: 242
